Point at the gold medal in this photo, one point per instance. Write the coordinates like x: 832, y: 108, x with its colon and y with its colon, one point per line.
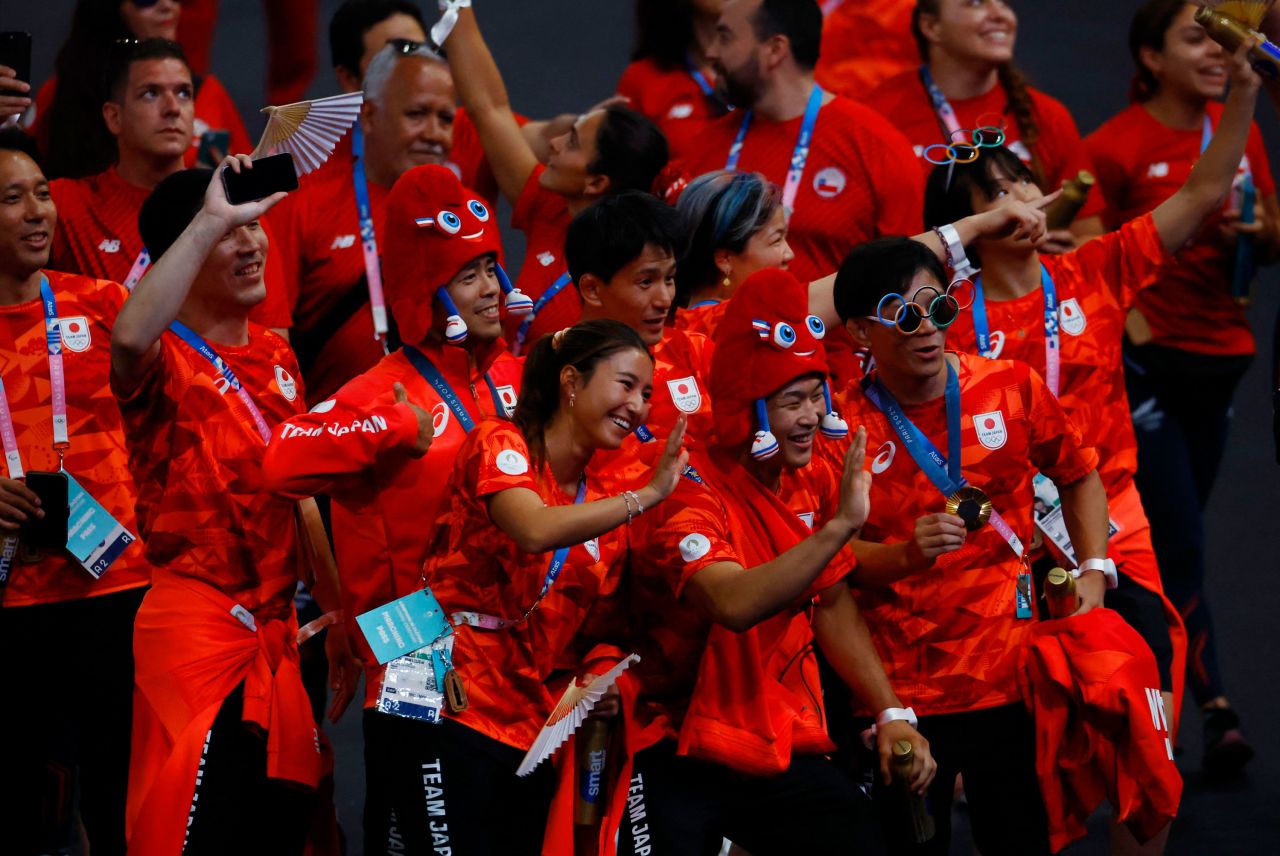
x: 971, y: 505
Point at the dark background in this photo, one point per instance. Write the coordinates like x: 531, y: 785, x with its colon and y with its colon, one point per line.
x: 563, y: 55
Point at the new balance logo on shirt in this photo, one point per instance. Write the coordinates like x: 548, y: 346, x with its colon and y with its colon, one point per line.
x: 109, y: 246
x: 343, y: 242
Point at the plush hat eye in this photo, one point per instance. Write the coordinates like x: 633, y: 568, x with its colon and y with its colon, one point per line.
x: 478, y: 209
x: 816, y: 327
x: 783, y: 335
x: 448, y: 222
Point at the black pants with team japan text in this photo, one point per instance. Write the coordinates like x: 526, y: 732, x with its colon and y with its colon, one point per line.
x: 680, y: 806
x: 448, y: 790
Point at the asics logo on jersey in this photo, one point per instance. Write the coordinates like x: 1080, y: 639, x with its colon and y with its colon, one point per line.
x: 884, y: 457
x: 109, y: 246
x: 342, y: 242
x: 439, y: 418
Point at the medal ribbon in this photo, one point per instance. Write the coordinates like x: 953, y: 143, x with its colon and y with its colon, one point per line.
x: 139, y: 269
x: 200, y: 346
x: 432, y: 375
x: 1052, y: 338
x: 799, y: 155
x: 522, y: 332
x: 941, y: 106
x: 943, y: 472
x: 368, y: 240
x: 58, y: 396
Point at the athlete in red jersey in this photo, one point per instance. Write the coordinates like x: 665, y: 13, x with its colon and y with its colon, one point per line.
x: 92, y: 611
x: 430, y: 393
x: 740, y: 575
x: 864, y: 43
x: 950, y: 608
x: 669, y: 78
x: 621, y: 253
x: 200, y: 388
x: 604, y: 151
x: 736, y: 227
x: 67, y: 121
x: 1189, y: 340
x: 149, y: 114
x: 530, y: 520
x: 967, y: 50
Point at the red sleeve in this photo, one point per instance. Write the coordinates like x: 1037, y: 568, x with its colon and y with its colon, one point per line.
x: 498, y: 460
x: 61, y: 256
x: 1112, y: 175
x: 632, y: 86
x: 527, y: 208
x: 691, y: 533
x: 1056, y: 447
x: 896, y: 178
x: 342, y: 437
x: 274, y: 310
x: 1125, y: 261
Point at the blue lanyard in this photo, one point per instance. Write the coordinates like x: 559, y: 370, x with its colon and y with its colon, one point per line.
x: 942, y: 108
x: 203, y: 348
x: 699, y: 78
x: 368, y: 239
x: 702, y: 303
x: 432, y: 375
x: 1052, y: 351
x: 559, y: 556
x: 799, y: 155
x: 943, y: 472
x: 552, y: 290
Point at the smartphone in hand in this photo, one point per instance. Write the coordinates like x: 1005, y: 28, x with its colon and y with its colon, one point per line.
x: 269, y: 175
x: 48, y: 532
x: 15, y: 52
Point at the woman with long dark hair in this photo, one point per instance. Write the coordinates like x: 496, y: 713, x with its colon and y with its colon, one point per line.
x: 67, y: 116
x: 736, y: 227
x: 533, y: 527
x: 968, y: 79
x: 669, y: 79
x: 1189, y: 341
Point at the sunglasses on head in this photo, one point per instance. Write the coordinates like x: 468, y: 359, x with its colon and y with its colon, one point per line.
x: 940, y: 307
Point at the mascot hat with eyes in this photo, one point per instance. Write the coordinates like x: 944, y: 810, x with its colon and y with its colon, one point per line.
x: 766, y: 340
x: 435, y: 227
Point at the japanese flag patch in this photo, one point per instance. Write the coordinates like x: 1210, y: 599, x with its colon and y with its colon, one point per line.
x: 990, y: 429
x: 75, y: 333
x: 288, y: 386
x: 1072, y: 317
x: 685, y: 394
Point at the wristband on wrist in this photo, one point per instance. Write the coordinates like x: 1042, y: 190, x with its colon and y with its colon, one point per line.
x: 889, y: 714
x: 957, y: 260
x: 1106, y: 567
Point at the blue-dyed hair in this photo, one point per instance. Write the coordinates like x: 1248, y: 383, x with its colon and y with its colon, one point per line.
x: 722, y: 210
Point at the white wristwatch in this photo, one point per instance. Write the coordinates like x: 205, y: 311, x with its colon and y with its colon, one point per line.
x: 1106, y: 566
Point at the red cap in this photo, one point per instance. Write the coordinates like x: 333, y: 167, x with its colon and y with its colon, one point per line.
x: 766, y: 339
x: 434, y: 228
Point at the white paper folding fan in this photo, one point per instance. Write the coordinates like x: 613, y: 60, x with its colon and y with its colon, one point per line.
x: 308, y: 130
x: 574, y: 705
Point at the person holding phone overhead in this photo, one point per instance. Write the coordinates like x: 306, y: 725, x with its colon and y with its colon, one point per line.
x: 149, y: 112
x: 15, y: 76
x: 200, y: 388
x: 61, y: 431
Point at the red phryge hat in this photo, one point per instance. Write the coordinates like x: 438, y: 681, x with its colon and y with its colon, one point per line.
x: 434, y: 228
x: 766, y: 340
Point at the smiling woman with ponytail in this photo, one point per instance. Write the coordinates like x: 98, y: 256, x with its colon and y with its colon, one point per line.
x: 968, y: 79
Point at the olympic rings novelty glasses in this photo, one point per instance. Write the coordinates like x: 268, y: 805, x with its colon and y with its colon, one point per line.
x: 943, y: 308
x: 952, y: 152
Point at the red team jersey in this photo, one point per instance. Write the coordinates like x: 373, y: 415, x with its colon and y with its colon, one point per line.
x: 904, y: 99
x: 671, y: 98
x: 1095, y: 285
x: 701, y: 319
x: 97, y: 459
x: 203, y: 508
x: 474, y: 566
x: 1141, y: 162
x: 948, y: 636
x: 729, y: 518
x: 858, y: 181
x: 544, y: 218
x: 319, y: 230
x: 384, y: 499
x: 97, y: 236
x: 214, y: 109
